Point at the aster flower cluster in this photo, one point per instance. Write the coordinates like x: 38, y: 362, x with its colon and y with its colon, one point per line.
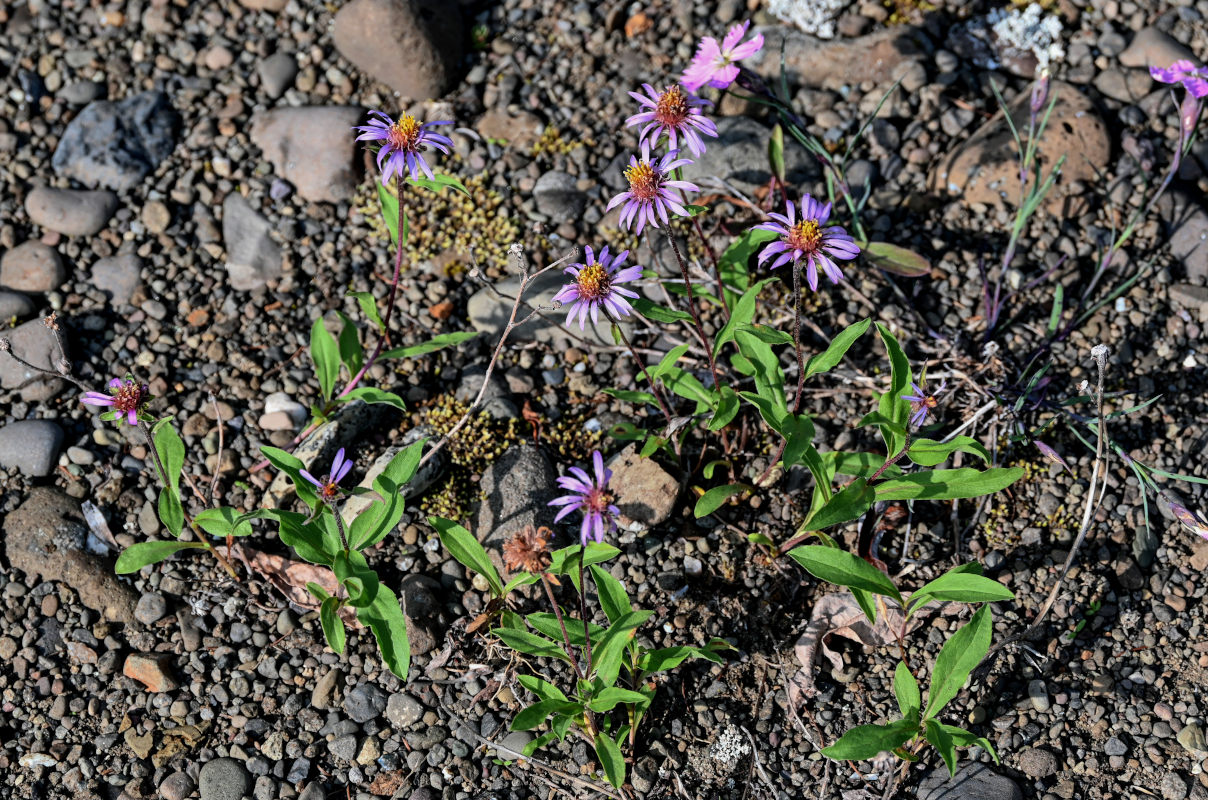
x: 125, y: 400
x: 589, y: 495
x: 403, y: 144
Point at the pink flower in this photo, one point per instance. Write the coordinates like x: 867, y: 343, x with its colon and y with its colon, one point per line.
x: 1194, y: 79
x: 713, y: 65
x: 126, y: 399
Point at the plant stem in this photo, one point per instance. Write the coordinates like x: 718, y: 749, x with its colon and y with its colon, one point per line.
x: 654, y: 386
x: 583, y: 610
x: 721, y: 291
x: 700, y: 331
x: 549, y: 592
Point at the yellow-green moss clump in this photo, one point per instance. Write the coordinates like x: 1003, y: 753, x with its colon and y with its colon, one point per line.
x: 998, y: 525
x: 551, y: 143
x: 448, y: 226
x: 482, y: 440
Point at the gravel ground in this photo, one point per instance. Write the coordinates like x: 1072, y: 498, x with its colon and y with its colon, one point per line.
x: 180, y: 187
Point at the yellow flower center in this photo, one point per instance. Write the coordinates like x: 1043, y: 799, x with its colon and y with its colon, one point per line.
x: 404, y: 134
x: 672, y: 108
x: 593, y: 281
x: 805, y: 236
x: 643, y: 180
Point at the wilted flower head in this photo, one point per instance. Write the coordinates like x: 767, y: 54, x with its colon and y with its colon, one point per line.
x: 922, y: 403
x: 403, y: 144
x: 1189, y: 519
x: 650, y: 190
x: 713, y: 64
x: 126, y: 399
x: 809, y: 238
x: 591, y: 496
x: 676, y: 114
x: 1193, y: 78
x: 329, y: 488
x: 528, y: 550
x: 596, y: 283
x: 1052, y: 455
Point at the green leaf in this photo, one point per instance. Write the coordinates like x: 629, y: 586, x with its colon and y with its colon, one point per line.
x: 776, y: 152
x: 963, y: 651
x: 565, y: 561
x: 542, y: 688
x: 523, y: 579
x: 1055, y: 313
x: 733, y: 263
x: 439, y: 182
x: 326, y: 357
x: 171, y: 451
x: 607, y: 655
x: 538, y: 712
x: 462, y: 545
x: 546, y: 623
x: 351, y: 352
x: 928, y: 452
x: 139, y: 555
x: 613, y: 598
x: 769, y: 377
x: 389, y: 204
x: 844, y: 569
x: 317, y: 591
x: 943, y: 743
x: 895, y: 259
x: 695, y: 211
x: 741, y: 315
x: 640, y: 398
x: 292, y: 466
x: 439, y: 342
x: 531, y: 644
x: 385, y: 618
x: 383, y: 515
x: 964, y: 738
x: 371, y: 395
x: 948, y: 484
x: 171, y: 513
x: 368, y: 307
x: 727, y: 408
x: 850, y: 503
x: 610, y: 759
x: 713, y: 499
x: 960, y: 587
x: 891, y: 404
x: 670, y: 657
x: 608, y: 698
x: 906, y: 689
x: 861, y: 465
x: 799, y: 430
x: 333, y: 626
x: 223, y: 522
x: 867, y: 741
x: 656, y: 313
x: 833, y: 354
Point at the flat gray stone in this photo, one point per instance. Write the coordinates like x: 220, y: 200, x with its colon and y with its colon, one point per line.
x: 253, y: 258
x: 413, y: 46
x: 558, y: 197
x: 32, y: 267
x: 971, y: 782
x: 30, y: 446
x: 70, y: 211
x: 277, y: 73
x: 34, y: 343
x: 739, y: 156
x: 312, y: 147
x: 517, y: 489
x: 1151, y: 47
x: 117, y: 144
x: 14, y: 305
x: 224, y: 779
x: 118, y: 276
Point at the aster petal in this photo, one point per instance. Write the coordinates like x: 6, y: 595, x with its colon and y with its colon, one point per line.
x: 785, y: 258
x: 310, y: 478
x: 565, y: 512
x: 584, y: 529
x: 616, y: 201
x: 734, y: 35
x: 747, y: 49
x: 96, y: 399
x: 132, y: 416
x: 628, y: 274
x: 343, y: 473
x: 811, y: 275
x: 1197, y: 87
x: 724, y: 76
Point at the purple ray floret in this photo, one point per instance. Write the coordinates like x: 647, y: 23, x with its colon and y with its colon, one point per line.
x: 675, y: 114
x: 922, y: 403
x: 403, y: 144
x: 329, y: 487
x: 713, y: 65
x: 596, y: 285
x: 651, y: 193
x: 809, y: 238
x: 590, y: 495
x: 1193, y: 78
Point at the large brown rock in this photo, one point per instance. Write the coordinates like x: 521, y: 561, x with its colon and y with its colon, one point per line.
x: 413, y: 46
x: 985, y: 169
x: 312, y: 147
x: 45, y: 536
x: 645, y: 492
x: 836, y: 62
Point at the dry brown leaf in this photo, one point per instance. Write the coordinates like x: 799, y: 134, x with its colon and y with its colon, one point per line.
x: 839, y: 614
x: 290, y: 578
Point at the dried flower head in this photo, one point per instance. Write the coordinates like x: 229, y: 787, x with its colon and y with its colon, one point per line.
x: 126, y: 399
x: 713, y: 65
x: 592, y: 497
x: 674, y: 113
x: 1189, y: 519
x: 528, y: 550
x: 329, y: 488
x: 596, y: 284
x: 1053, y: 456
x: 650, y: 194
x: 403, y: 144
x: 809, y: 238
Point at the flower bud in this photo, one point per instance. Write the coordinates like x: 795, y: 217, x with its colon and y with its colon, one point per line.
x: 1040, y: 91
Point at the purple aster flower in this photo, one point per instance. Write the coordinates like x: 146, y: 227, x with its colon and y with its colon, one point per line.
x: 808, y: 238
x: 329, y: 488
x: 650, y: 192
x: 591, y: 496
x: 674, y: 113
x: 126, y: 399
x: 596, y: 283
x: 713, y: 64
x: 403, y: 144
x: 1194, y: 79
x: 921, y: 403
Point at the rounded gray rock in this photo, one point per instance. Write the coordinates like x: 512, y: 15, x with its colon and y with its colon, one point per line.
x: 558, y: 196
x: 31, y: 446
x: 151, y: 608
x: 70, y: 211
x: 14, y: 305
x: 224, y: 779
x: 365, y: 702
x: 411, y: 45
x: 277, y: 73
x: 118, y: 276
x: 117, y: 144
x: 177, y: 786
x: 32, y: 267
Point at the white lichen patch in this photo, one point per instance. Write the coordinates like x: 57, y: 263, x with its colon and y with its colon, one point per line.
x: 815, y: 17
